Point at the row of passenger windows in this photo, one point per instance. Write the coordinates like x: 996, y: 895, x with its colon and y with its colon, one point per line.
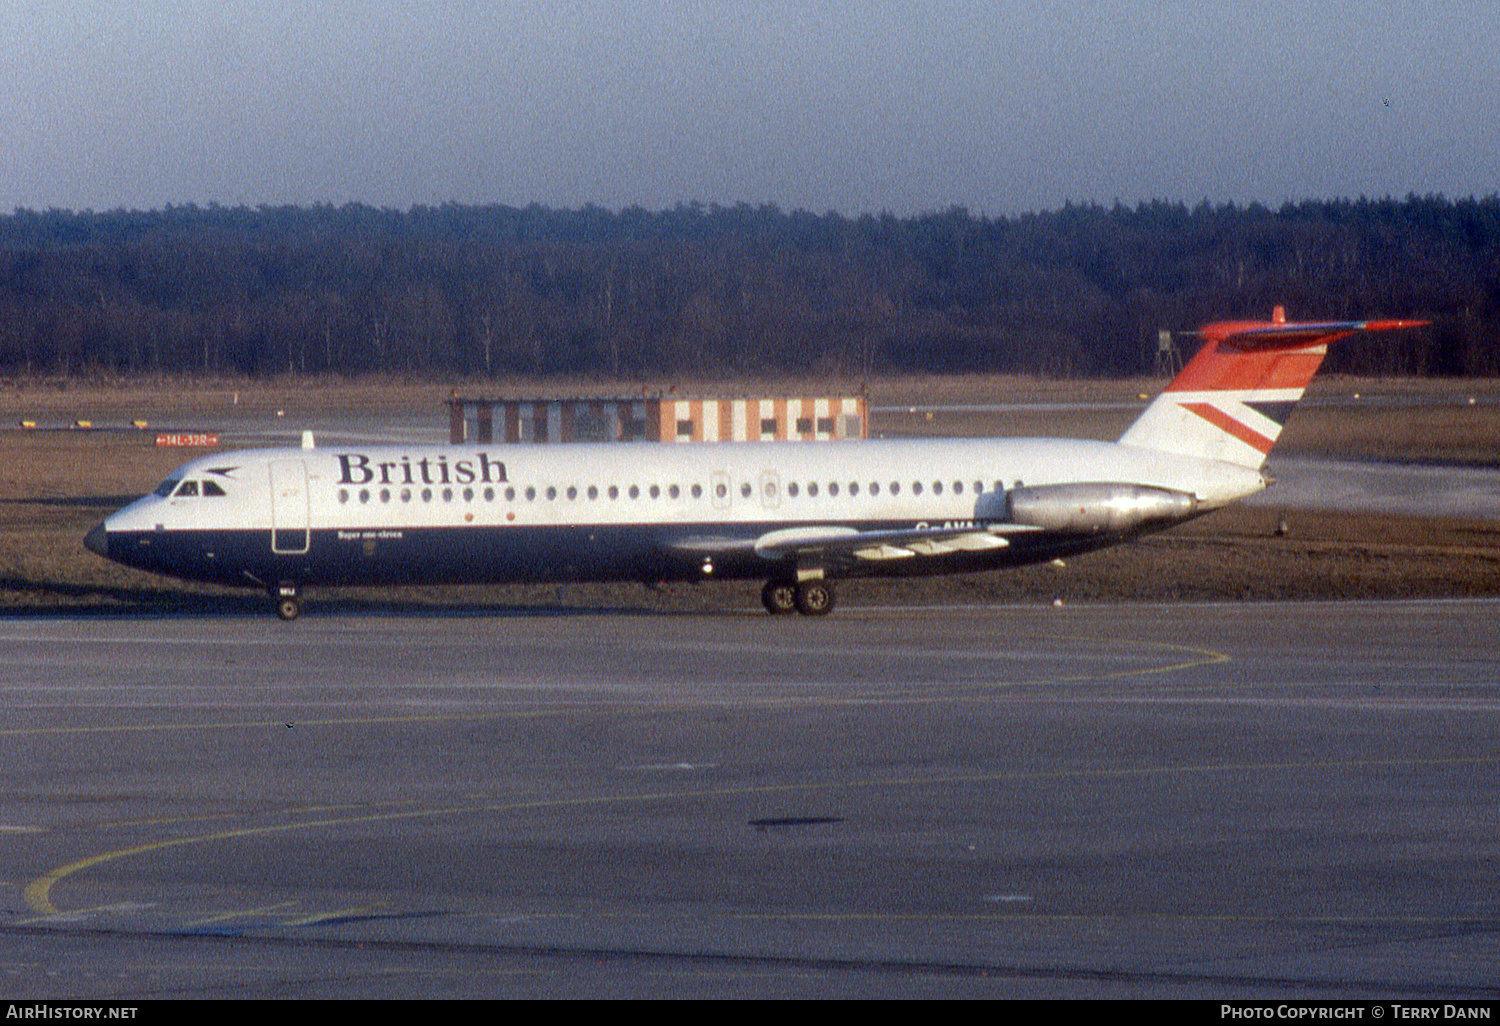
x: 769, y: 489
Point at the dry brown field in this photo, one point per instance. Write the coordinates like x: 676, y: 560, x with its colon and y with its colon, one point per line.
x: 55, y: 483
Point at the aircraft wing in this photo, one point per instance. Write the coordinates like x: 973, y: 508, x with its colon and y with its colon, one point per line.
x: 832, y: 543
x: 847, y: 542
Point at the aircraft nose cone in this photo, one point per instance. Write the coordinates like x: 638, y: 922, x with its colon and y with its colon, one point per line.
x: 97, y: 541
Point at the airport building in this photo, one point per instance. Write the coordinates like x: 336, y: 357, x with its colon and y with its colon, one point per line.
x: 658, y: 419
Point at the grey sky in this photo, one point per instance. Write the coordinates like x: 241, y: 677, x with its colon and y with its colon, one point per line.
x: 856, y: 106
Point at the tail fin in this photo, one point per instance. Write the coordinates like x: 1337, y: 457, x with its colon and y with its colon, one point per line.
x: 1231, y: 400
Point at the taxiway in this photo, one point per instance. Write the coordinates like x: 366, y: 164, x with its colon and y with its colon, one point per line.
x: 1150, y: 800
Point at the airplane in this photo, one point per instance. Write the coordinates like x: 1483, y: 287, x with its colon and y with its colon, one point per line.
x: 798, y: 517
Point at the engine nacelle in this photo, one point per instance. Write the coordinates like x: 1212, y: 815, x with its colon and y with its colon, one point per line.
x: 1097, y: 508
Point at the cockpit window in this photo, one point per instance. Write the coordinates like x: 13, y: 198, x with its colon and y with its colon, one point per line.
x: 165, y: 488
x: 188, y: 489
x: 211, y: 488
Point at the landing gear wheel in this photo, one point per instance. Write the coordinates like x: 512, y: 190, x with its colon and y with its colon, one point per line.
x: 815, y: 598
x: 288, y: 599
x: 779, y: 597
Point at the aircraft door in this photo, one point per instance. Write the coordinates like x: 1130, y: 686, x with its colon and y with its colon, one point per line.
x: 289, y: 513
x: 770, y: 489
x: 719, y: 487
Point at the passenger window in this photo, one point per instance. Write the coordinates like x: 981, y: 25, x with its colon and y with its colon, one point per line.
x: 635, y: 491
x: 747, y: 490
x: 958, y: 487
x: 593, y: 491
x: 895, y: 487
x: 792, y: 489
x: 673, y: 492
x: 656, y: 491
x: 937, y: 488
x: 916, y: 488
x: 812, y: 489
x: 697, y: 491
x: 833, y: 488
x: 874, y: 487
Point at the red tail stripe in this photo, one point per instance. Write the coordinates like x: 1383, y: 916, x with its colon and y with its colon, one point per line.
x: 1224, y: 422
x: 1219, y: 367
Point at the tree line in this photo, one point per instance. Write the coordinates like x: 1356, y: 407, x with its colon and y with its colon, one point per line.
x: 477, y: 290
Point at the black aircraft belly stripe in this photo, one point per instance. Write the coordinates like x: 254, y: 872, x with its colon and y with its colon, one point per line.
x: 478, y: 555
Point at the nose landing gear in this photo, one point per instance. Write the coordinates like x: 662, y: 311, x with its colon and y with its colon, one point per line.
x: 288, y: 600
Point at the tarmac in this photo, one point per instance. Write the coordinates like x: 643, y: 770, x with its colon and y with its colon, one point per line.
x: 1209, y: 801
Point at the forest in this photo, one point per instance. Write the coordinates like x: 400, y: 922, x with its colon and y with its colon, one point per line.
x: 464, y: 290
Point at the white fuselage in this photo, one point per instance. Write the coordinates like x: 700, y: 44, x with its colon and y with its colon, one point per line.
x: 373, y: 514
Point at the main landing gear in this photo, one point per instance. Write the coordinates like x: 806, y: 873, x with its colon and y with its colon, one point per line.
x: 810, y: 598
